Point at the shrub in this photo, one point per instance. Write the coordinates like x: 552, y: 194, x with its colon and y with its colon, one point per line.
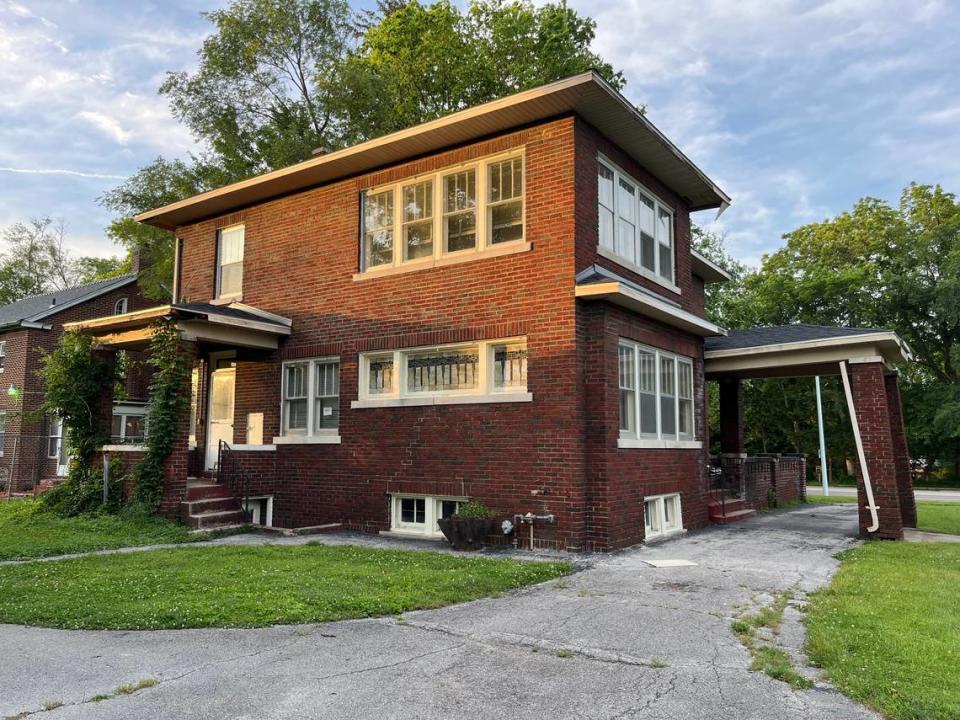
x: 474, y: 509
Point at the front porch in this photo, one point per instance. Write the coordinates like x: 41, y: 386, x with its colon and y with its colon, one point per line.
x: 865, y: 360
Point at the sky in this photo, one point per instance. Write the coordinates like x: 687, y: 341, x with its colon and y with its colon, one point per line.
x: 796, y: 109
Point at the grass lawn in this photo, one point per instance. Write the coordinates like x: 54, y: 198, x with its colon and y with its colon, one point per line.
x: 887, y: 629
x: 941, y: 517
x: 250, y: 586
x: 28, y: 531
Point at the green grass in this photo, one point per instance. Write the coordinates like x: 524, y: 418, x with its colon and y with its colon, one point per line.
x: 887, y: 629
x: 251, y: 586
x: 27, y: 530
x: 767, y: 658
x: 941, y: 517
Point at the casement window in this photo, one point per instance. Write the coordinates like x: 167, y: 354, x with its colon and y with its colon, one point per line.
x: 230, y: 243
x: 656, y: 393
x: 486, y: 371
x: 418, y: 514
x: 457, y: 212
x: 636, y: 228
x: 311, y: 397
x: 3, y: 354
x: 661, y: 515
x: 129, y: 424
x: 120, y: 306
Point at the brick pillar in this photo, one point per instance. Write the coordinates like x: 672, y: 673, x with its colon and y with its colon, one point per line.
x: 901, y: 455
x: 873, y: 416
x: 177, y: 463
x: 731, y: 415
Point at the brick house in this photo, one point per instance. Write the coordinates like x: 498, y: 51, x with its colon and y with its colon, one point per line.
x: 500, y: 305
x: 33, y: 454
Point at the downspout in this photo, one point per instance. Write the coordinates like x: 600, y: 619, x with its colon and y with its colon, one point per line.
x: 871, y: 505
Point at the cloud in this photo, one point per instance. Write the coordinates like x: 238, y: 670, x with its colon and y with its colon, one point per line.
x: 61, y: 171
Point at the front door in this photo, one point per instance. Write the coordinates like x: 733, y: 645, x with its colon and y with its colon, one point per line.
x: 220, y: 412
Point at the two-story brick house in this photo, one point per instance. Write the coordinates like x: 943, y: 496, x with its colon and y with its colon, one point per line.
x: 500, y: 305
x: 33, y: 454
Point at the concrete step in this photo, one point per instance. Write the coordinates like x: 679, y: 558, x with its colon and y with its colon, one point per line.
x: 215, y: 518
x: 732, y: 517
x: 730, y: 505
x: 203, y: 491
x: 195, y: 507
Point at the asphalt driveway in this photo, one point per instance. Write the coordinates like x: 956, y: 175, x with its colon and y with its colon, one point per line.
x: 619, y: 639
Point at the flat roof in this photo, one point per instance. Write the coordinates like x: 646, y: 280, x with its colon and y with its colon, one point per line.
x: 587, y: 95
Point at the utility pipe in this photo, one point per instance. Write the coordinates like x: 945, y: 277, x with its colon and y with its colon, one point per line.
x: 823, y: 443
x: 871, y: 505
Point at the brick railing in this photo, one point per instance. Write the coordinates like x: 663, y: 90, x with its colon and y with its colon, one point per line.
x: 763, y: 481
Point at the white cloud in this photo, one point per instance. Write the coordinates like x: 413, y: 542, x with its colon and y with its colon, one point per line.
x: 62, y: 171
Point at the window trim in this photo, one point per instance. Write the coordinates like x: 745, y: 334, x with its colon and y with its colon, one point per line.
x: 325, y: 436
x: 217, y: 293
x: 121, y: 303
x: 662, y: 530
x: 431, y: 514
x: 484, y: 246
x: 484, y: 392
x: 123, y: 410
x: 637, y: 439
x: 3, y: 354
x: 658, y: 203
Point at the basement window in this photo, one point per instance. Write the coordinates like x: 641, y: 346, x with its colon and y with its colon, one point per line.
x: 260, y: 509
x: 661, y: 515
x: 418, y: 514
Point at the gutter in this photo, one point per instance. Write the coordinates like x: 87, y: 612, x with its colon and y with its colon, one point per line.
x: 867, y: 485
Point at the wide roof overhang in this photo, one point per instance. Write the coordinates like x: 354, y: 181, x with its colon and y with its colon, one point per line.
x: 232, y: 325
x: 587, y: 95
x: 815, y: 356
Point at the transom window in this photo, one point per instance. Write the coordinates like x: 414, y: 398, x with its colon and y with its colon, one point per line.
x: 480, y: 368
x: 311, y: 397
x: 635, y: 226
x: 661, y: 515
x: 419, y: 514
x: 230, y: 243
x: 444, y: 213
x: 656, y: 393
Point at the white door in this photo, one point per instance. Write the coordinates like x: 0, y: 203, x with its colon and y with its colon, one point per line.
x: 220, y: 414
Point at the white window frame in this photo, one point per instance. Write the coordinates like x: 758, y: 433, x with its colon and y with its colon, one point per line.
x: 3, y: 354
x: 655, y: 526
x: 312, y: 434
x: 123, y: 411
x: 636, y: 439
x: 266, y: 521
x: 484, y: 245
x: 120, y: 306
x: 432, y: 509
x: 218, y: 294
x: 485, y: 391
x: 634, y: 263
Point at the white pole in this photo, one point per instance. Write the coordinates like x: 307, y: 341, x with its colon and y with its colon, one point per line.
x: 823, y: 443
x: 868, y: 488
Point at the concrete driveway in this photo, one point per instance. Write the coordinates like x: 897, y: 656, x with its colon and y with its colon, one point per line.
x: 620, y: 639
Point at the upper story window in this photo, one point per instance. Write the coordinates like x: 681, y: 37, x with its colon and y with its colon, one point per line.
x: 311, y: 397
x: 3, y: 353
x: 635, y: 226
x: 656, y: 393
x: 230, y: 262
x: 454, y: 212
x: 494, y: 369
x: 120, y: 306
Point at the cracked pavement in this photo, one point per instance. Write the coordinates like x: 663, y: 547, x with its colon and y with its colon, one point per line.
x: 619, y: 639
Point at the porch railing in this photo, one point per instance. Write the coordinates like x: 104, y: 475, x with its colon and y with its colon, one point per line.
x: 231, y: 473
x: 727, y: 479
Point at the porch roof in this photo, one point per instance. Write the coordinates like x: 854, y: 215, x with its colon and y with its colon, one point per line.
x: 799, y: 349
x: 233, y: 325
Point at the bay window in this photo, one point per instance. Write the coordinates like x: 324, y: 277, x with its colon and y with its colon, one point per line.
x: 486, y: 371
x: 635, y: 227
x: 656, y: 394
x: 422, y: 220
x: 230, y: 242
x: 310, y: 398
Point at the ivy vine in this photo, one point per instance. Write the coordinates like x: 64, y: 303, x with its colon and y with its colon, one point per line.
x: 168, y: 403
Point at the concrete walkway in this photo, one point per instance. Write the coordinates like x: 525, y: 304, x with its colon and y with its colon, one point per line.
x: 619, y: 639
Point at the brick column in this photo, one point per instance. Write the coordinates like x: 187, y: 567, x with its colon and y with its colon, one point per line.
x: 870, y: 402
x: 901, y: 455
x: 177, y: 464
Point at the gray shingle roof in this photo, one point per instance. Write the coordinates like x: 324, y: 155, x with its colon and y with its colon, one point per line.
x: 778, y: 334
x: 43, y: 306
x: 225, y: 310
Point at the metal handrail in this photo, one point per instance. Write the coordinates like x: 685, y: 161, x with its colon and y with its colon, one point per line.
x: 230, y: 474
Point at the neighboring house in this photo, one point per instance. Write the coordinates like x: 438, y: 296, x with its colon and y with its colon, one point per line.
x: 501, y: 305
x: 33, y: 451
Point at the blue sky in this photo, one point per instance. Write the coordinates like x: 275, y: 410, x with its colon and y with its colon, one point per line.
x: 795, y: 108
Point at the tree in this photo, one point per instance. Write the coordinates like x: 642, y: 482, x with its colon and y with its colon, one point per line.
x: 723, y: 303
x: 36, y: 261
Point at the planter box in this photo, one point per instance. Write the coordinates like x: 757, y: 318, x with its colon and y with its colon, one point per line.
x: 466, y: 533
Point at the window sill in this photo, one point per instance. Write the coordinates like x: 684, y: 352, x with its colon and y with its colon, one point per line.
x: 410, y: 535
x: 638, y: 269
x: 443, y: 400
x: 652, y: 444
x: 517, y: 246
x: 123, y: 448
x: 227, y: 299
x: 664, y: 536
x: 307, y: 440
x: 250, y: 447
